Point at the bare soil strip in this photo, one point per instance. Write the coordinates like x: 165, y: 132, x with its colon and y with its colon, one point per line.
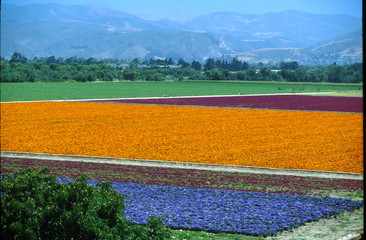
x: 347, y: 226
x: 185, y: 165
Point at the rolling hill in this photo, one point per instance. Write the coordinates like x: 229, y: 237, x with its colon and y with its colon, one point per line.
x: 40, y: 30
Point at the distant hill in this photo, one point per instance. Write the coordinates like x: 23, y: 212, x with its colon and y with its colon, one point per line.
x: 345, y: 48
x: 287, y: 29
x: 38, y: 30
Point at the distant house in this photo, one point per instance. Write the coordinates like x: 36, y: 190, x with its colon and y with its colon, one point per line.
x: 143, y: 66
x: 170, y: 66
x: 174, y: 66
x: 272, y: 70
x: 123, y: 66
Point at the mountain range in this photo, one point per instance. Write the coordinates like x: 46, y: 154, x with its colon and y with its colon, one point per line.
x: 42, y: 30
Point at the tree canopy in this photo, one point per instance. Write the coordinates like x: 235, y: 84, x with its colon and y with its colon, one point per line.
x: 52, y: 69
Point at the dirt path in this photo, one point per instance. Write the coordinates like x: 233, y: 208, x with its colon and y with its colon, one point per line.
x: 347, y: 226
x: 185, y: 165
x: 204, y: 96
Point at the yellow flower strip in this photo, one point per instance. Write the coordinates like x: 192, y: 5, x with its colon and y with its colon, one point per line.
x: 276, y: 139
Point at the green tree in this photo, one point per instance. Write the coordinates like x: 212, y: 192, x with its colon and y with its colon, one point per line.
x: 215, y: 74
x: 357, y: 77
x: 264, y: 74
x: 252, y: 75
x: 169, y: 61
x: 209, y: 65
x: 30, y: 75
x: 4, y: 65
x: 301, y: 75
x: 196, y: 65
x: 35, y: 205
x: 70, y: 60
x: 50, y: 60
x: 183, y: 63
x: 312, y: 77
x: 54, y: 66
x: 18, y: 58
x: 288, y: 75
x: 245, y: 66
x: 36, y: 65
x: 289, y: 65
x: 105, y: 75
x: 90, y: 61
x: 334, y: 73
x: 241, y: 76
x: 134, y: 63
x: 155, y: 77
x: 129, y: 74
x: 236, y: 65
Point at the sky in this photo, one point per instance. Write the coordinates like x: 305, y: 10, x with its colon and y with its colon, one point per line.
x: 200, y: 7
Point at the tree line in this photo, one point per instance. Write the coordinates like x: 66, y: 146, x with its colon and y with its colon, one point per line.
x: 51, y: 69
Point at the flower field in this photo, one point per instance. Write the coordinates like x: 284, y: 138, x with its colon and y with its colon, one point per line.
x: 226, y: 211
x: 190, y: 202
x: 264, y: 183
x: 288, y: 102
x: 276, y: 139
x: 245, y: 203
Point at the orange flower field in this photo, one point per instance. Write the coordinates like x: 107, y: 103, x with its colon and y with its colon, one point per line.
x: 261, y: 138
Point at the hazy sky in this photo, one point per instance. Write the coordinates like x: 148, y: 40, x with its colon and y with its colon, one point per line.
x: 349, y: 7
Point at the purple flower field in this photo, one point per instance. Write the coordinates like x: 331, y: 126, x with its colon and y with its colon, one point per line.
x: 279, y: 102
x: 214, y: 210
x: 205, y: 200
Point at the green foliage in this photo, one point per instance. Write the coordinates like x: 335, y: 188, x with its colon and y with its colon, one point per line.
x: 357, y: 194
x: 35, y: 206
x: 196, y: 65
x: 183, y: 63
x: 130, y: 75
x: 234, y: 65
x: 193, y: 235
x: 52, y: 69
x: 209, y: 65
x: 18, y: 58
x: 289, y: 65
x: 220, y: 74
x: 334, y: 73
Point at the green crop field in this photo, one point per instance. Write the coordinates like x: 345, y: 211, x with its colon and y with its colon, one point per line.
x: 100, y: 90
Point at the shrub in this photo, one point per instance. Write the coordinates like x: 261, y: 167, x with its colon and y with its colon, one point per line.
x: 36, y: 206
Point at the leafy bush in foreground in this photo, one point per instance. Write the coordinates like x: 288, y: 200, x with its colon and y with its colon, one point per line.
x: 36, y: 206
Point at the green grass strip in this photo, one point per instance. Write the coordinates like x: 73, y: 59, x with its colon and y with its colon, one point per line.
x: 101, y: 90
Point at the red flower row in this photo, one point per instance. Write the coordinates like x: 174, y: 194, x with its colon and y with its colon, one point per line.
x: 188, y: 177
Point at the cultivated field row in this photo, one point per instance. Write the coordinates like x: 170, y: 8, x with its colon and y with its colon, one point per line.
x: 244, y: 137
x: 265, y: 101
x: 189, y: 166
